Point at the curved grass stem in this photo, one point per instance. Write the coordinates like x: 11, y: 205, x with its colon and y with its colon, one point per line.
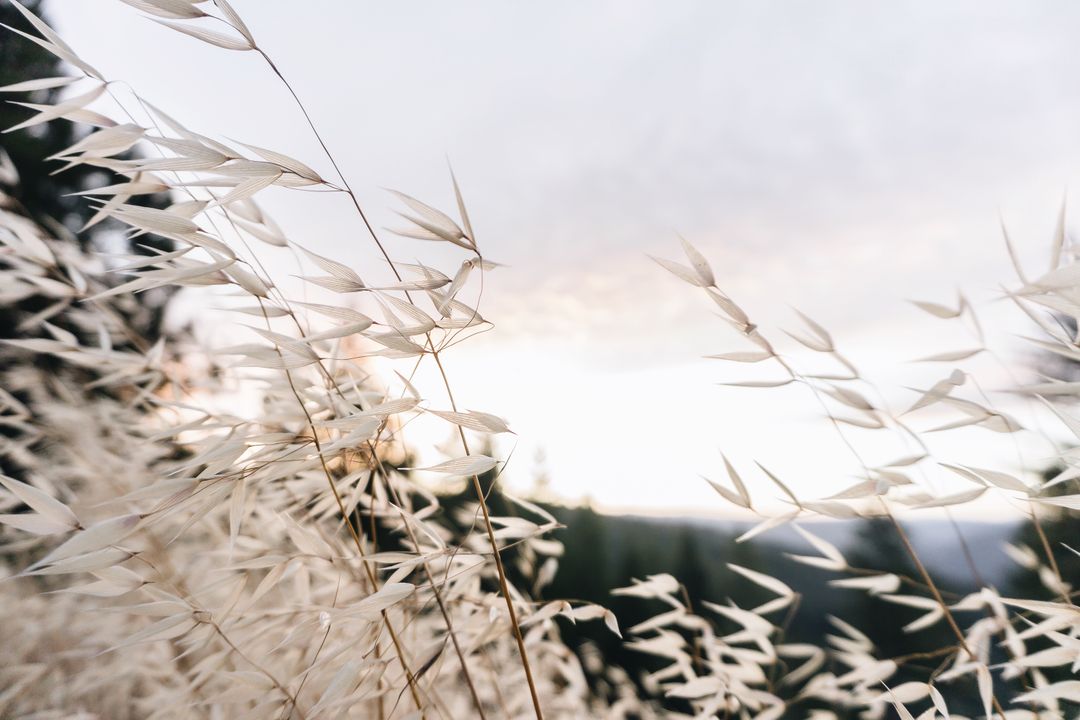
x: 503, y: 585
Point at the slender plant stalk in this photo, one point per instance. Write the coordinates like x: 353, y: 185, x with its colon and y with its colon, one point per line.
x: 355, y: 536
x: 937, y: 596
x: 434, y: 587
x: 1045, y: 542
x: 289, y: 697
x: 503, y: 585
x: 376, y: 464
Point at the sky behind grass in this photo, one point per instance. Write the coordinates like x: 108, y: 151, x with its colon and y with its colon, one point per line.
x: 840, y: 157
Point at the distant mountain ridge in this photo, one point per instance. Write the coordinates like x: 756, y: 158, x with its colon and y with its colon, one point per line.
x: 604, y: 552
x: 935, y: 541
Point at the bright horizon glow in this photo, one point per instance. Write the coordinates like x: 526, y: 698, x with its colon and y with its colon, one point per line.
x: 799, y: 155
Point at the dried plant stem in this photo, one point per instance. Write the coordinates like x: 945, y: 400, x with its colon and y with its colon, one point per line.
x: 789, y: 617
x: 360, y: 549
x: 332, y: 387
x: 937, y: 596
x: 355, y: 536
x: 929, y: 655
x: 1037, y: 522
x: 695, y: 659
x: 288, y: 695
x: 970, y: 560
x: 318, y: 651
x: 904, y: 578
x: 434, y: 587
x: 503, y: 585
x: 495, y: 682
x: 902, y: 430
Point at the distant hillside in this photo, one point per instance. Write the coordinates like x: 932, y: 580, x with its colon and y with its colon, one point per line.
x: 985, y: 541
x: 633, y: 546
x: 606, y: 551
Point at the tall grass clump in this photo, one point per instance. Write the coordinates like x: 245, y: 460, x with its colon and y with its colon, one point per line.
x: 169, y: 553
x: 283, y: 563
x: 1004, y: 657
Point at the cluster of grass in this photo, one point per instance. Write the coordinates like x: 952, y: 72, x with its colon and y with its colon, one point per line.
x: 169, y: 554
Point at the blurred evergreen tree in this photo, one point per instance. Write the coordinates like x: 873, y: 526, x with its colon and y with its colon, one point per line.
x: 1062, y: 531
x: 878, y: 547
x: 38, y: 190
x: 691, y: 567
x: 42, y: 192
x: 1060, y: 527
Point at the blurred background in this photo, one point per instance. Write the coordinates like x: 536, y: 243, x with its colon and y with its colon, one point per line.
x: 841, y: 158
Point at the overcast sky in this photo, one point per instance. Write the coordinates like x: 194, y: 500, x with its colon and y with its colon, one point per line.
x: 839, y: 157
